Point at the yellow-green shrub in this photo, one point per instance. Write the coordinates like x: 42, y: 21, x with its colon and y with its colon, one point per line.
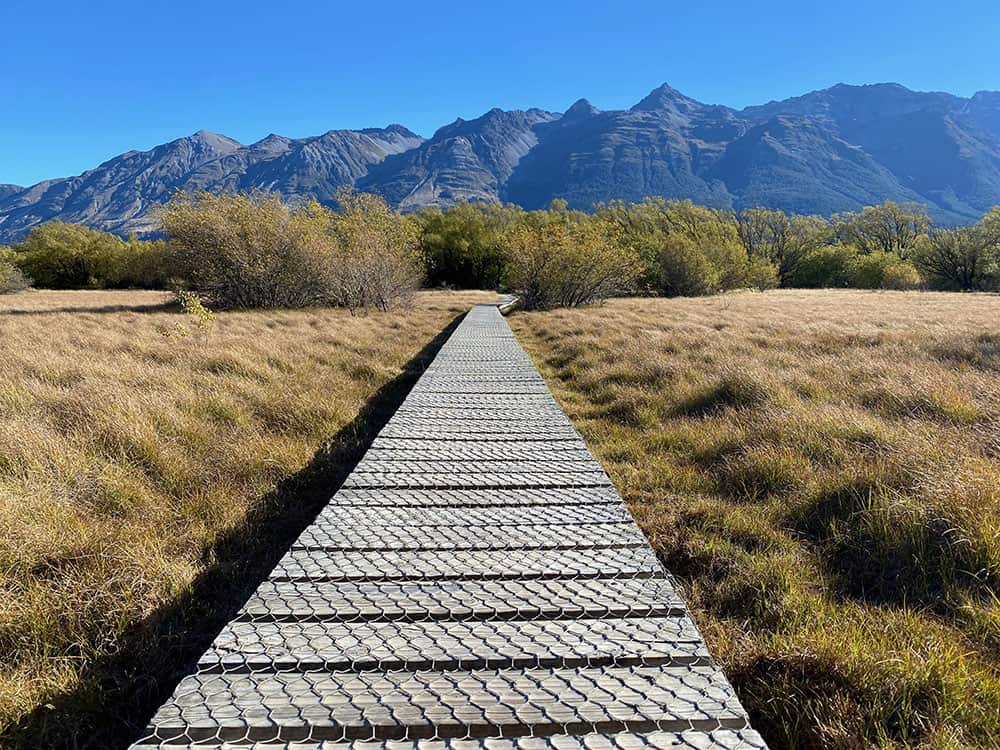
x: 902, y: 276
x: 565, y: 259
x: 58, y: 255
x: 825, y: 267
x: 255, y: 250
x: 12, y: 279
x: 374, y: 254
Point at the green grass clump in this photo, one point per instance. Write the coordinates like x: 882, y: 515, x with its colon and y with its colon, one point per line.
x: 732, y: 390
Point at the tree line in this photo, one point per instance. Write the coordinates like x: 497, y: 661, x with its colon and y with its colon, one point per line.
x: 683, y: 249
x: 257, y: 250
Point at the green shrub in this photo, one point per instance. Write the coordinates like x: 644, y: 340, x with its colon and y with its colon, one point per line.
x: 825, y: 267
x: 257, y: 251
x: 685, y: 269
x: 967, y: 258
x: 66, y: 256
x: 762, y: 274
x: 249, y: 250
x: 688, y: 267
x: 893, y: 228
x: 867, y: 270
x: 57, y: 255
x: 143, y: 264
x: 463, y: 246
x: 12, y: 279
x: 902, y: 276
x: 564, y: 259
x: 375, y: 255
x: 780, y: 238
x: 688, y: 249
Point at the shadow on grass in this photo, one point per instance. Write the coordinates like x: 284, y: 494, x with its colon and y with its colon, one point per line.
x: 169, y: 306
x: 119, y: 693
x: 883, y: 549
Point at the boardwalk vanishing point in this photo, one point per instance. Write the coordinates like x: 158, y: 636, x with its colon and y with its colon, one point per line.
x: 477, y: 582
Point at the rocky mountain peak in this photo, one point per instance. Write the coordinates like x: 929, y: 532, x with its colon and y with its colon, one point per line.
x: 667, y: 99
x: 215, y: 141
x: 580, y: 110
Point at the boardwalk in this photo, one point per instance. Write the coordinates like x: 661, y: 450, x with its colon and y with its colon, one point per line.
x: 477, y: 582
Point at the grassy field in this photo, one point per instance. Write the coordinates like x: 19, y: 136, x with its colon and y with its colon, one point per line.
x: 150, y: 471
x: 822, y: 471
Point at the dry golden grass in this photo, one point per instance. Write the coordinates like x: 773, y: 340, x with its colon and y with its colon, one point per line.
x: 822, y: 470
x: 142, y: 459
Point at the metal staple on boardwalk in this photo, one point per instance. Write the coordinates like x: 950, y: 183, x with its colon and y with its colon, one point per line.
x: 476, y: 583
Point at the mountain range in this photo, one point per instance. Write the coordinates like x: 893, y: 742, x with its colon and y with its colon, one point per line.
x: 832, y: 150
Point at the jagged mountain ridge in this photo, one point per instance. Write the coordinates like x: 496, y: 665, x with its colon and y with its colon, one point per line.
x: 122, y: 194
x: 831, y: 150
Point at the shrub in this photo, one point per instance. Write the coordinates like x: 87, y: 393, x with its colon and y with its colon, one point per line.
x: 58, y: 255
x: 967, y: 258
x: 565, y: 259
x: 824, y: 267
x: 254, y: 250
x: 463, y: 246
x: 685, y: 270
x: 143, y: 264
x: 375, y: 259
x: 250, y: 250
x: 689, y: 267
x: 12, y: 279
x: 894, y: 228
x: 688, y: 249
x: 762, y: 274
x: 192, y: 306
x: 866, y: 270
x: 902, y: 276
x: 779, y: 237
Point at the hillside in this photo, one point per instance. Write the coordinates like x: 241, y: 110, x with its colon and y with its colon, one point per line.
x: 832, y: 150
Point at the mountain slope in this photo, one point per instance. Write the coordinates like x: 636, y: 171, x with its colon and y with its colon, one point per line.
x: 794, y: 163
x: 122, y: 194
x: 942, y: 148
x: 467, y: 160
x: 314, y: 167
x: 831, y: 150
x: 659, y: 147
x: 8, y: 190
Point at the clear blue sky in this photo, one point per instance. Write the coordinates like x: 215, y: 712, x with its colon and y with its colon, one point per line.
x: 83, y: 81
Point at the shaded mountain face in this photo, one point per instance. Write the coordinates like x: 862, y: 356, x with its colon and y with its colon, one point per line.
x: 6, y: 190
x: 833, y: 150
x: 463, y: 161
x: 662, y: 146
x: 794, y: 163
x: 939, y: 147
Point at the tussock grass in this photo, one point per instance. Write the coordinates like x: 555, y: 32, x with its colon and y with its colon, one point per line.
x: 149, y: 473
x: 822, y: 470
